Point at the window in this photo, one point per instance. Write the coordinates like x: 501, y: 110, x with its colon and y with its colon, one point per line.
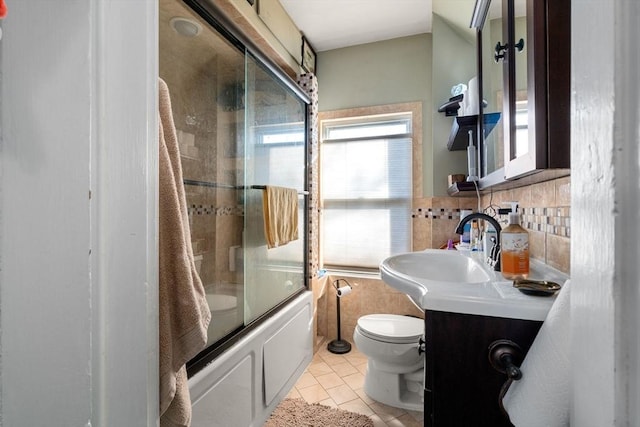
x: 366, y: 187
x: 522, y: 128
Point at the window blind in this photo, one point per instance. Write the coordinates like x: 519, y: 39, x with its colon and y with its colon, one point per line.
x: 366, y: 184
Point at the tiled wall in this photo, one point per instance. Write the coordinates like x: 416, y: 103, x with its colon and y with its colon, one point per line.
x: 546, y: 213
x: 545, y: 210
x: 435, y: 220
x: 369, y: 296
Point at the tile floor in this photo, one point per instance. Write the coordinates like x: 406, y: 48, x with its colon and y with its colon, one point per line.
x: 337, y: 379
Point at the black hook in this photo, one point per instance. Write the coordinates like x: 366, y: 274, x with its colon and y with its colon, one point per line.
x: 500, y: 49
x: 520, y: 45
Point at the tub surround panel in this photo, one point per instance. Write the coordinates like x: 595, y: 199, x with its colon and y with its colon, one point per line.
x: 284, y: 352
x: 230, y: 397
x: 245, y: 383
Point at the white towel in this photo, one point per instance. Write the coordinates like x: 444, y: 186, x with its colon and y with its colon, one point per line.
x: 541, y: 398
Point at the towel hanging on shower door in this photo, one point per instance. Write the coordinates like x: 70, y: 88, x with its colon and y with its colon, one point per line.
x: 280, y: 210
x: 184, y: 313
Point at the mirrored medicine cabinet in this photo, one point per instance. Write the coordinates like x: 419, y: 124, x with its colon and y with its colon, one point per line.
x: 523, y: 66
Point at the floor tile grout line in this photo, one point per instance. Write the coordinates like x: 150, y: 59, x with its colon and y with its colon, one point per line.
x: 356, y: 360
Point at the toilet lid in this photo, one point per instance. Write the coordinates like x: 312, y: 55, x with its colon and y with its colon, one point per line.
x: 391, y: 328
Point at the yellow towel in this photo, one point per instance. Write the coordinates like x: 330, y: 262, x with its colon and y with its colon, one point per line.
x: 184, y: 314
x: 280, y: 209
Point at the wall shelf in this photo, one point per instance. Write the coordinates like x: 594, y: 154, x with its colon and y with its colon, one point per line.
x: 459, y: 137
x: 451, y: 107
x: 462, y: 188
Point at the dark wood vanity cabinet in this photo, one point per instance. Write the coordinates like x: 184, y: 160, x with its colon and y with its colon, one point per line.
x: 461, y: 386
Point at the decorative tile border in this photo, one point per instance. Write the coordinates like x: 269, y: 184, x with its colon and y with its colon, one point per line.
x: 549, y: 220
x: 429, y: 213
x: 555, y: 221
x: 309, y: 83
x: 197, y: 210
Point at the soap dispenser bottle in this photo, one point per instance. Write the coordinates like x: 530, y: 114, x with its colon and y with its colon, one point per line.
x: 514, y: 254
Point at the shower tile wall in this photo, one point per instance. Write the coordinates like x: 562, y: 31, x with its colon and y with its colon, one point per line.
x: 215, y: 215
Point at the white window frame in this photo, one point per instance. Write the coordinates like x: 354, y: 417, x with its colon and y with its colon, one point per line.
x: 360, y: 115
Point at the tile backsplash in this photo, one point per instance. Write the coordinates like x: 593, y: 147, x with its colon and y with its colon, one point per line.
x: 545, y: 210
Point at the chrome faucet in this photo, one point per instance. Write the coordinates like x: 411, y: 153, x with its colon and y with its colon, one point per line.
x: 493, y: 257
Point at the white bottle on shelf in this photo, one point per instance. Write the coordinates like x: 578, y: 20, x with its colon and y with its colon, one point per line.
x: 471, y: 159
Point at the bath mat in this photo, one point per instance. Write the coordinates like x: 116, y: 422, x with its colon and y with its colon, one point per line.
x: 298, y: 413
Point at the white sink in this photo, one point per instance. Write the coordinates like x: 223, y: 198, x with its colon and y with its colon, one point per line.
x: 455, y: 282
x: 436, y: 265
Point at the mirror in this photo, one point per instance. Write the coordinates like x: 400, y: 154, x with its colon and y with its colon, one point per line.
x: 492, y: 90
x: 520, y: 115
x: 529, y: 74
x: 506, y: 115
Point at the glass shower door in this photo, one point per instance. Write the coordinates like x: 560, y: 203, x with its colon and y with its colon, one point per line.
x: 239, y: 128
x: 205, y: 74
x: 274, y: 155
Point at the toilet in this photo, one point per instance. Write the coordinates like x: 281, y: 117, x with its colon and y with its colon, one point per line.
x: 395, y: 367
x: 224, y: 315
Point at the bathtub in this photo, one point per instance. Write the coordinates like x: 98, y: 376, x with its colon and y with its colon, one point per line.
x: 243, y: 385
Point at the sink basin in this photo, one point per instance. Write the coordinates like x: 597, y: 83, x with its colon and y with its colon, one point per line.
x: 458, y: 282
x: 418, y: 273
x: 437, y: 266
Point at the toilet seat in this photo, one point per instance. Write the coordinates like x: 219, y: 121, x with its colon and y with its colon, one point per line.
x: 391, y: 328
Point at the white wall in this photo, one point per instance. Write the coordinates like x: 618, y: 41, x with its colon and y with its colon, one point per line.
x: 605, y: 205
x: 45, y: 286
x: 78, y: 328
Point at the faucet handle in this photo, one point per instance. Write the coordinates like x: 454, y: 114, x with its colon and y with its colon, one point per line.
x: 494, y: 255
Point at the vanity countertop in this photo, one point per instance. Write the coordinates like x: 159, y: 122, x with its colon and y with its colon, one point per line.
x: 497, y: 297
